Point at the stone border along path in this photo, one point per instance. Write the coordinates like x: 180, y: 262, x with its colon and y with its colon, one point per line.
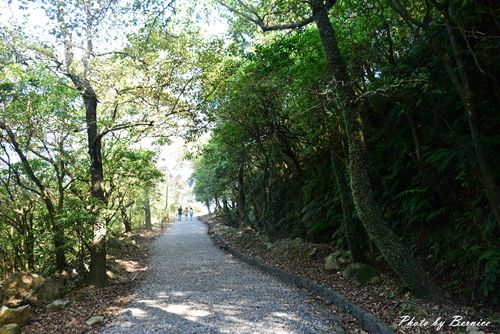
x: 194, y: 287
x: 368, y: 321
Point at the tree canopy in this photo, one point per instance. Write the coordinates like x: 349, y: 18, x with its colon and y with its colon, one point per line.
x: 368, y: 125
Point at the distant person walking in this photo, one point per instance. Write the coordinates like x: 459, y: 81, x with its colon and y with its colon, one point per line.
x: 179, y: 214
x: 191, y: 212
x: 186, y: 212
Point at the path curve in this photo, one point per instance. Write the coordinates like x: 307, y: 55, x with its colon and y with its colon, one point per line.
x: 194, y: 287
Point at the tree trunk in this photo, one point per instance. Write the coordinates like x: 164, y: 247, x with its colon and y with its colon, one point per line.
x: 25, y: 223
x: 353, y: 232
x: 147, y: 211
x: 208, y: 207
x: 30, y: 243
x: 59, y: 244
x: 395, y: 253
x: 226, y: 210
x: 257, y: 211
x: 241, y: 193
x: 462, y: 84
x: 97, y: 274
x: 165, y: 211
x: 126, y: 221
x: 217, y: 203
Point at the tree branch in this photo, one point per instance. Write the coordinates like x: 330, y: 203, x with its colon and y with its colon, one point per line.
x: 252, y: 16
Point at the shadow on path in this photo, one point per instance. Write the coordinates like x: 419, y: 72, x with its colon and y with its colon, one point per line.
x: 193, y: 287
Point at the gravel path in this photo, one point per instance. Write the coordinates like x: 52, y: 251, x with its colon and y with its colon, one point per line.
x: 194, y: 287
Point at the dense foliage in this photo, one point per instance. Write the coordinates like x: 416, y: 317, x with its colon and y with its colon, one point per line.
x: 81, y: 124
x: 44, y: 171
x: 424, y: 75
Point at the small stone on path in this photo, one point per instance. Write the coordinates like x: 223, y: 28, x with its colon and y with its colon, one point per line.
x: 57, y: 305
x: 95, y: 320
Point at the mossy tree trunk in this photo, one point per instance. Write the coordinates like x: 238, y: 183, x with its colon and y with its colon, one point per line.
x: 395, y: 253
x: 353, y: 232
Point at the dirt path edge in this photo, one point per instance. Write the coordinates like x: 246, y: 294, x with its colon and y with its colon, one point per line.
x: 367, y: 320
